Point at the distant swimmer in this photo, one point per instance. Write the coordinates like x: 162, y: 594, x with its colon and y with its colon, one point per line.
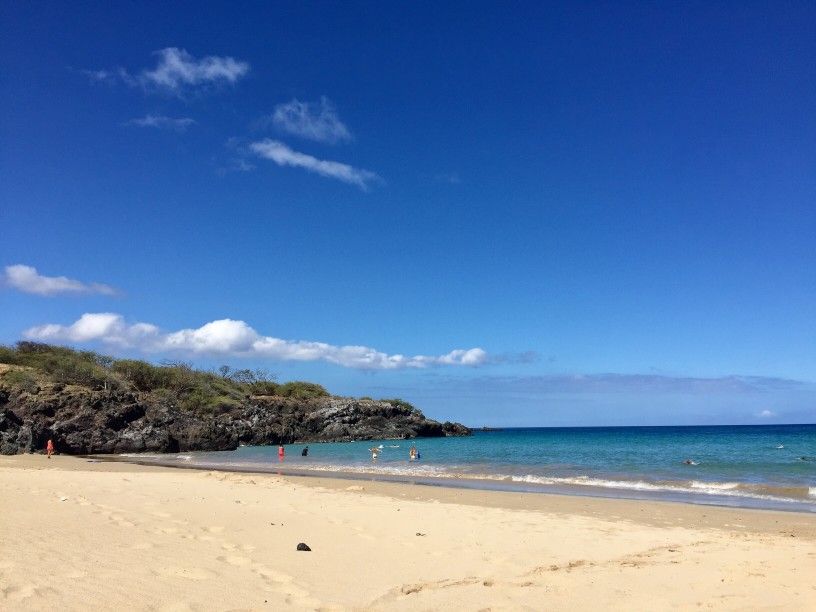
x: 304, y: 452
x: 374, y: 452
x: 412, y: 454
x: 690, y: 462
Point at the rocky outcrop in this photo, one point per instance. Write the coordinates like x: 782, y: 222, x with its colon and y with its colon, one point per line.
x: 85, y: 421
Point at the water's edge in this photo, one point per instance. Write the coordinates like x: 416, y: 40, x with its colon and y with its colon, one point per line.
x: 172, y: 460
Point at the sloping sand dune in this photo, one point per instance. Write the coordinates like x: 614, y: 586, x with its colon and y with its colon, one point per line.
x: 76, y: 535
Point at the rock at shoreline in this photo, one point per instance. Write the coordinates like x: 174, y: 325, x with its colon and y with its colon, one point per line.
x: 81, y: 420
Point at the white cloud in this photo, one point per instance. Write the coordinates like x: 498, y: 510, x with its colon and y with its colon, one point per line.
x: 237, y: 338
x: 161, y: 121
x: 284, y: 156
x: 766, y: 414
x: 177, y: 70
x: 313, y: 120
x: 28, y: 280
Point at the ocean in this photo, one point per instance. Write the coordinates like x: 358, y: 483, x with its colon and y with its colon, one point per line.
x: 769, y: 466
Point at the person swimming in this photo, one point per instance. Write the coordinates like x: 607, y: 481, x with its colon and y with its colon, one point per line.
x: 690, y: 462
x: 305, y: 451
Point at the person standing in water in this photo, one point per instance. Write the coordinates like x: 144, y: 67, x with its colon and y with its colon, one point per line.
x: 281, y: 452
x: 304, y: 452
x: 412, y: 454
x: 49, y: 448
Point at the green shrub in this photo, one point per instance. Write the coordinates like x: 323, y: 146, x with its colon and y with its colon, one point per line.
x: 7, y: 355
x: 265, y: 387
x: 142, y: 375
x: 399, y: 403
x: 23, y: 380
x: 302, y: 390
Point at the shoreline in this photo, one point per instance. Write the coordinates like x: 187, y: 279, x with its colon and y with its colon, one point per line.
x: 89, y: 534
x: 481, y: 484
x: 654, y: 512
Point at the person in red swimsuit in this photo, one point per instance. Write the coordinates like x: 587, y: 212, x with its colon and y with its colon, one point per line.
x: 49, y: 448
x: 281, y: 452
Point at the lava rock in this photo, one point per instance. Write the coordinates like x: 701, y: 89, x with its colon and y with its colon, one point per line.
x: 303, y: 546
x: 85, y: 421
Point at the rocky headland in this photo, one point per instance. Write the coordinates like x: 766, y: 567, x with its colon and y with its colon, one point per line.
x: 107, y: 412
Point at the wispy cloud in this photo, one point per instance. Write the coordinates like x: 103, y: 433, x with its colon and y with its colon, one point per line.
x: 631, y: 384
x: 179, y: 124
x: 316, y: 121
x: 177, y: 70
x: 766, y: 414
x: 235, y: 165
x: 28, y: 280
x: 282, y: 155
x: 237, y: 338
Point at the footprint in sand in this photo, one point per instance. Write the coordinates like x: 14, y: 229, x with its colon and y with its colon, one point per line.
x: 213, y: 529
x: 165, y: 531
x: 271, y: 575
x: 235, y: 561
x: 143, y: 546
x: 190, y: 573
x: 27, y: 591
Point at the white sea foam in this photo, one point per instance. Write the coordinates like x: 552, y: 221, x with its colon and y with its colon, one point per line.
x: 728, y: 489
x: 716, y: 487
x: 436, y: 472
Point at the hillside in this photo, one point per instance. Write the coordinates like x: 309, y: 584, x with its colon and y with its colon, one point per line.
x: 92, y: 403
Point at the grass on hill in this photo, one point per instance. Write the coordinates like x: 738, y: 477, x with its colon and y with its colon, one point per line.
x: 177, y: 382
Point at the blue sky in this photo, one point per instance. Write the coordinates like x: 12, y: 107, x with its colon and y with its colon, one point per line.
x: 525, y: 214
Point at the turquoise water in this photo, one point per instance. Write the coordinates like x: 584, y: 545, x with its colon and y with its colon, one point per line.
x: 770, y: 466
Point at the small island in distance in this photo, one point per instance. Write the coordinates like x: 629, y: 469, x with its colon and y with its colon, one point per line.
x: 91, y: 403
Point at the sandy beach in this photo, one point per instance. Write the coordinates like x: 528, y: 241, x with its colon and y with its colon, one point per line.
x: 80, y: 535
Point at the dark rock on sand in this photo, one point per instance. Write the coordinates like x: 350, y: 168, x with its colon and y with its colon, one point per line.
x: 303, y: 546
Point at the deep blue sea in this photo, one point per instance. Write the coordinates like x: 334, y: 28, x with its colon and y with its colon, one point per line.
x: 770, y: 466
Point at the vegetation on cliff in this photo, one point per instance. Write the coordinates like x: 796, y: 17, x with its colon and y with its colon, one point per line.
x: 193, y: 390
x: 91, y: 402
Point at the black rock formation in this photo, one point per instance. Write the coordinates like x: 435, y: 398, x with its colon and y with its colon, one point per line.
x: 82, y: 420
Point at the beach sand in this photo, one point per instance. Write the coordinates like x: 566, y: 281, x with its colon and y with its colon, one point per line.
x: 79, y: 535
